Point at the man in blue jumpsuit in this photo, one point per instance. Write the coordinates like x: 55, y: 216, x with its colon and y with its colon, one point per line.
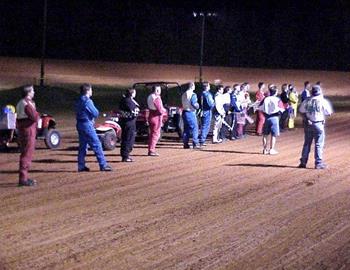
x: 86, y: 112
x: 314, y: 110
x: 190, y: 105
x: 207, y: 102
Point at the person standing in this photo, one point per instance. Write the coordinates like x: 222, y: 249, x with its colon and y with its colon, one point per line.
x: 306, y: 91
x: 272, y: 107
x: 27, y: 119
x: 260, y: 118
x: 129, y: 110
x: 86, y: 113
x: 207, y: 106
x: 236, y: 110
x: 189, y: 107
x: 155, y: 119
x: 293, y: 105
x: 314, y: 110
x: 219, y: 113
x: 285, y: 102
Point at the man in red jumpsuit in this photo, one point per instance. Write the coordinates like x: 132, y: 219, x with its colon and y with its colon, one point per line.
x: 156, y: 111
x: 27, y: 118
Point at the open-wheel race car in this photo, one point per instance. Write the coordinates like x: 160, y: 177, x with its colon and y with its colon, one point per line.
x: 171, y: 97
x: 46, y: 130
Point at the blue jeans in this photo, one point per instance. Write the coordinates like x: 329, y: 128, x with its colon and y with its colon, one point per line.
x: 205, y: 120
x: 314, y: 131
x: 190, y: 127
x: 88, y: 136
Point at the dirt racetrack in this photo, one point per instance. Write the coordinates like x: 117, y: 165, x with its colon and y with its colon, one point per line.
x: 224, y: 207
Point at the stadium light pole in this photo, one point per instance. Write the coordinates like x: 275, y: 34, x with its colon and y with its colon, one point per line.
x: 203, y: 15
x: 43, y: 46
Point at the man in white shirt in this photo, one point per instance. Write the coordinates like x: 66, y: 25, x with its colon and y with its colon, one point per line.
x: 219, y: 113
x: 314, y: 110
x: 272, y: 108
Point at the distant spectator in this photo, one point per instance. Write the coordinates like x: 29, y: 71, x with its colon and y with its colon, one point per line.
x: 305, y: 93
x: 293, y: 105
x: 260, y: 118
x: 219, y: 113
x: 285, y: 100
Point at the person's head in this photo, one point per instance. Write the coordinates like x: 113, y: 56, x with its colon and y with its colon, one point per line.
x: 316, y: 90
x: 245, y: 86
x: 228, y: 89
x: 190, y: 86
x: 156, y: 89
x: 307, y: 85
x: 261, y: 86
x: 220, y: 88
x: 131, y: 92
x: 206, y: 86
x: 284, y: 87
x: 273, y: 90
x: 236, y: 88
x: 86, y: 90
x: 27, y: 91
x: 319, y: 83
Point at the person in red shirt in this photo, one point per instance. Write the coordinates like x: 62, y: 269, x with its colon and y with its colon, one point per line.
x: 27, y: 119
x: 155, y: 119
x: 260, y: 118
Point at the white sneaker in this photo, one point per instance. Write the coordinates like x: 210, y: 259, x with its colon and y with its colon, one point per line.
x: 265, y: 151
x: 218, y: 141
x: 273, y: 152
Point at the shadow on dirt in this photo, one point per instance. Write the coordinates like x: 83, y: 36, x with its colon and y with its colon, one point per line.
x: 231, y: 152
x: 53, y: 161
x: 8, y: 185
x: 261, y: 165
x: 39, y: 171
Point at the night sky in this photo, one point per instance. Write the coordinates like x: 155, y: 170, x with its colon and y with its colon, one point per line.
x: 311, y: 35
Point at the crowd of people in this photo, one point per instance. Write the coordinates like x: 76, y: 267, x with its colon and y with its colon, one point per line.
x: 230, y: 109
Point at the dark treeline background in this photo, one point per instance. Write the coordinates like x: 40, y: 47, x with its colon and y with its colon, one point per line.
x: 312, y: 35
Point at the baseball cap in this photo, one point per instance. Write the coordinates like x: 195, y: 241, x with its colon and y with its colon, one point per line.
x: 316, y: 90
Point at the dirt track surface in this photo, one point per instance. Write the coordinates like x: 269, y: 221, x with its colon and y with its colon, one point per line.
x: 224, y: 207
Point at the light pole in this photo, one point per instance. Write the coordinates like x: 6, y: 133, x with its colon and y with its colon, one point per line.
x: 203, y: 15
x: 43, y: 48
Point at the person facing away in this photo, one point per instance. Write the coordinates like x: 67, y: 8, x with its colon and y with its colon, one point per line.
x: 236, y: 110
x: 155, y: 118
x: 129, y: 110
x: 207, y: 106
x: 86, y: 113
x: 27, y: 119
x: 189, y: 107
x: 272, y: 107
x: 314, y: 110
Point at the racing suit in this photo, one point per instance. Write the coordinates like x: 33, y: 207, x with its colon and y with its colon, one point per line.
x: 190, y: 105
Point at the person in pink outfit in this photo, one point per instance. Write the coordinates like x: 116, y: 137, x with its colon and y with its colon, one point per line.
x: 27, y: 119
x: 260, y: 118
x: 155, y: 119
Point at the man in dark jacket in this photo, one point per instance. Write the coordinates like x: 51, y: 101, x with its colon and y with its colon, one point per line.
x: 129, y: 110
x: 86, y: 113
x: 27, y: 119
x: 207, y: 102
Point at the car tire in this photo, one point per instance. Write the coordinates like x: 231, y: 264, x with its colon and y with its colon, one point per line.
x: 109, y: 141
x: 52, y: 139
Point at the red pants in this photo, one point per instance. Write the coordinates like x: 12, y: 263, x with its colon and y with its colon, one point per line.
x: 26, y: 139
x: 260, y: 120
x: 155, y: 124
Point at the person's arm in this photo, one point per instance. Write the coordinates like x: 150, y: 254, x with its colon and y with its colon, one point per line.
x: 31, y: 112
x: 210, y: 100
x: 159, y: 105
x: 90, y: 107
x: 194, y: 101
